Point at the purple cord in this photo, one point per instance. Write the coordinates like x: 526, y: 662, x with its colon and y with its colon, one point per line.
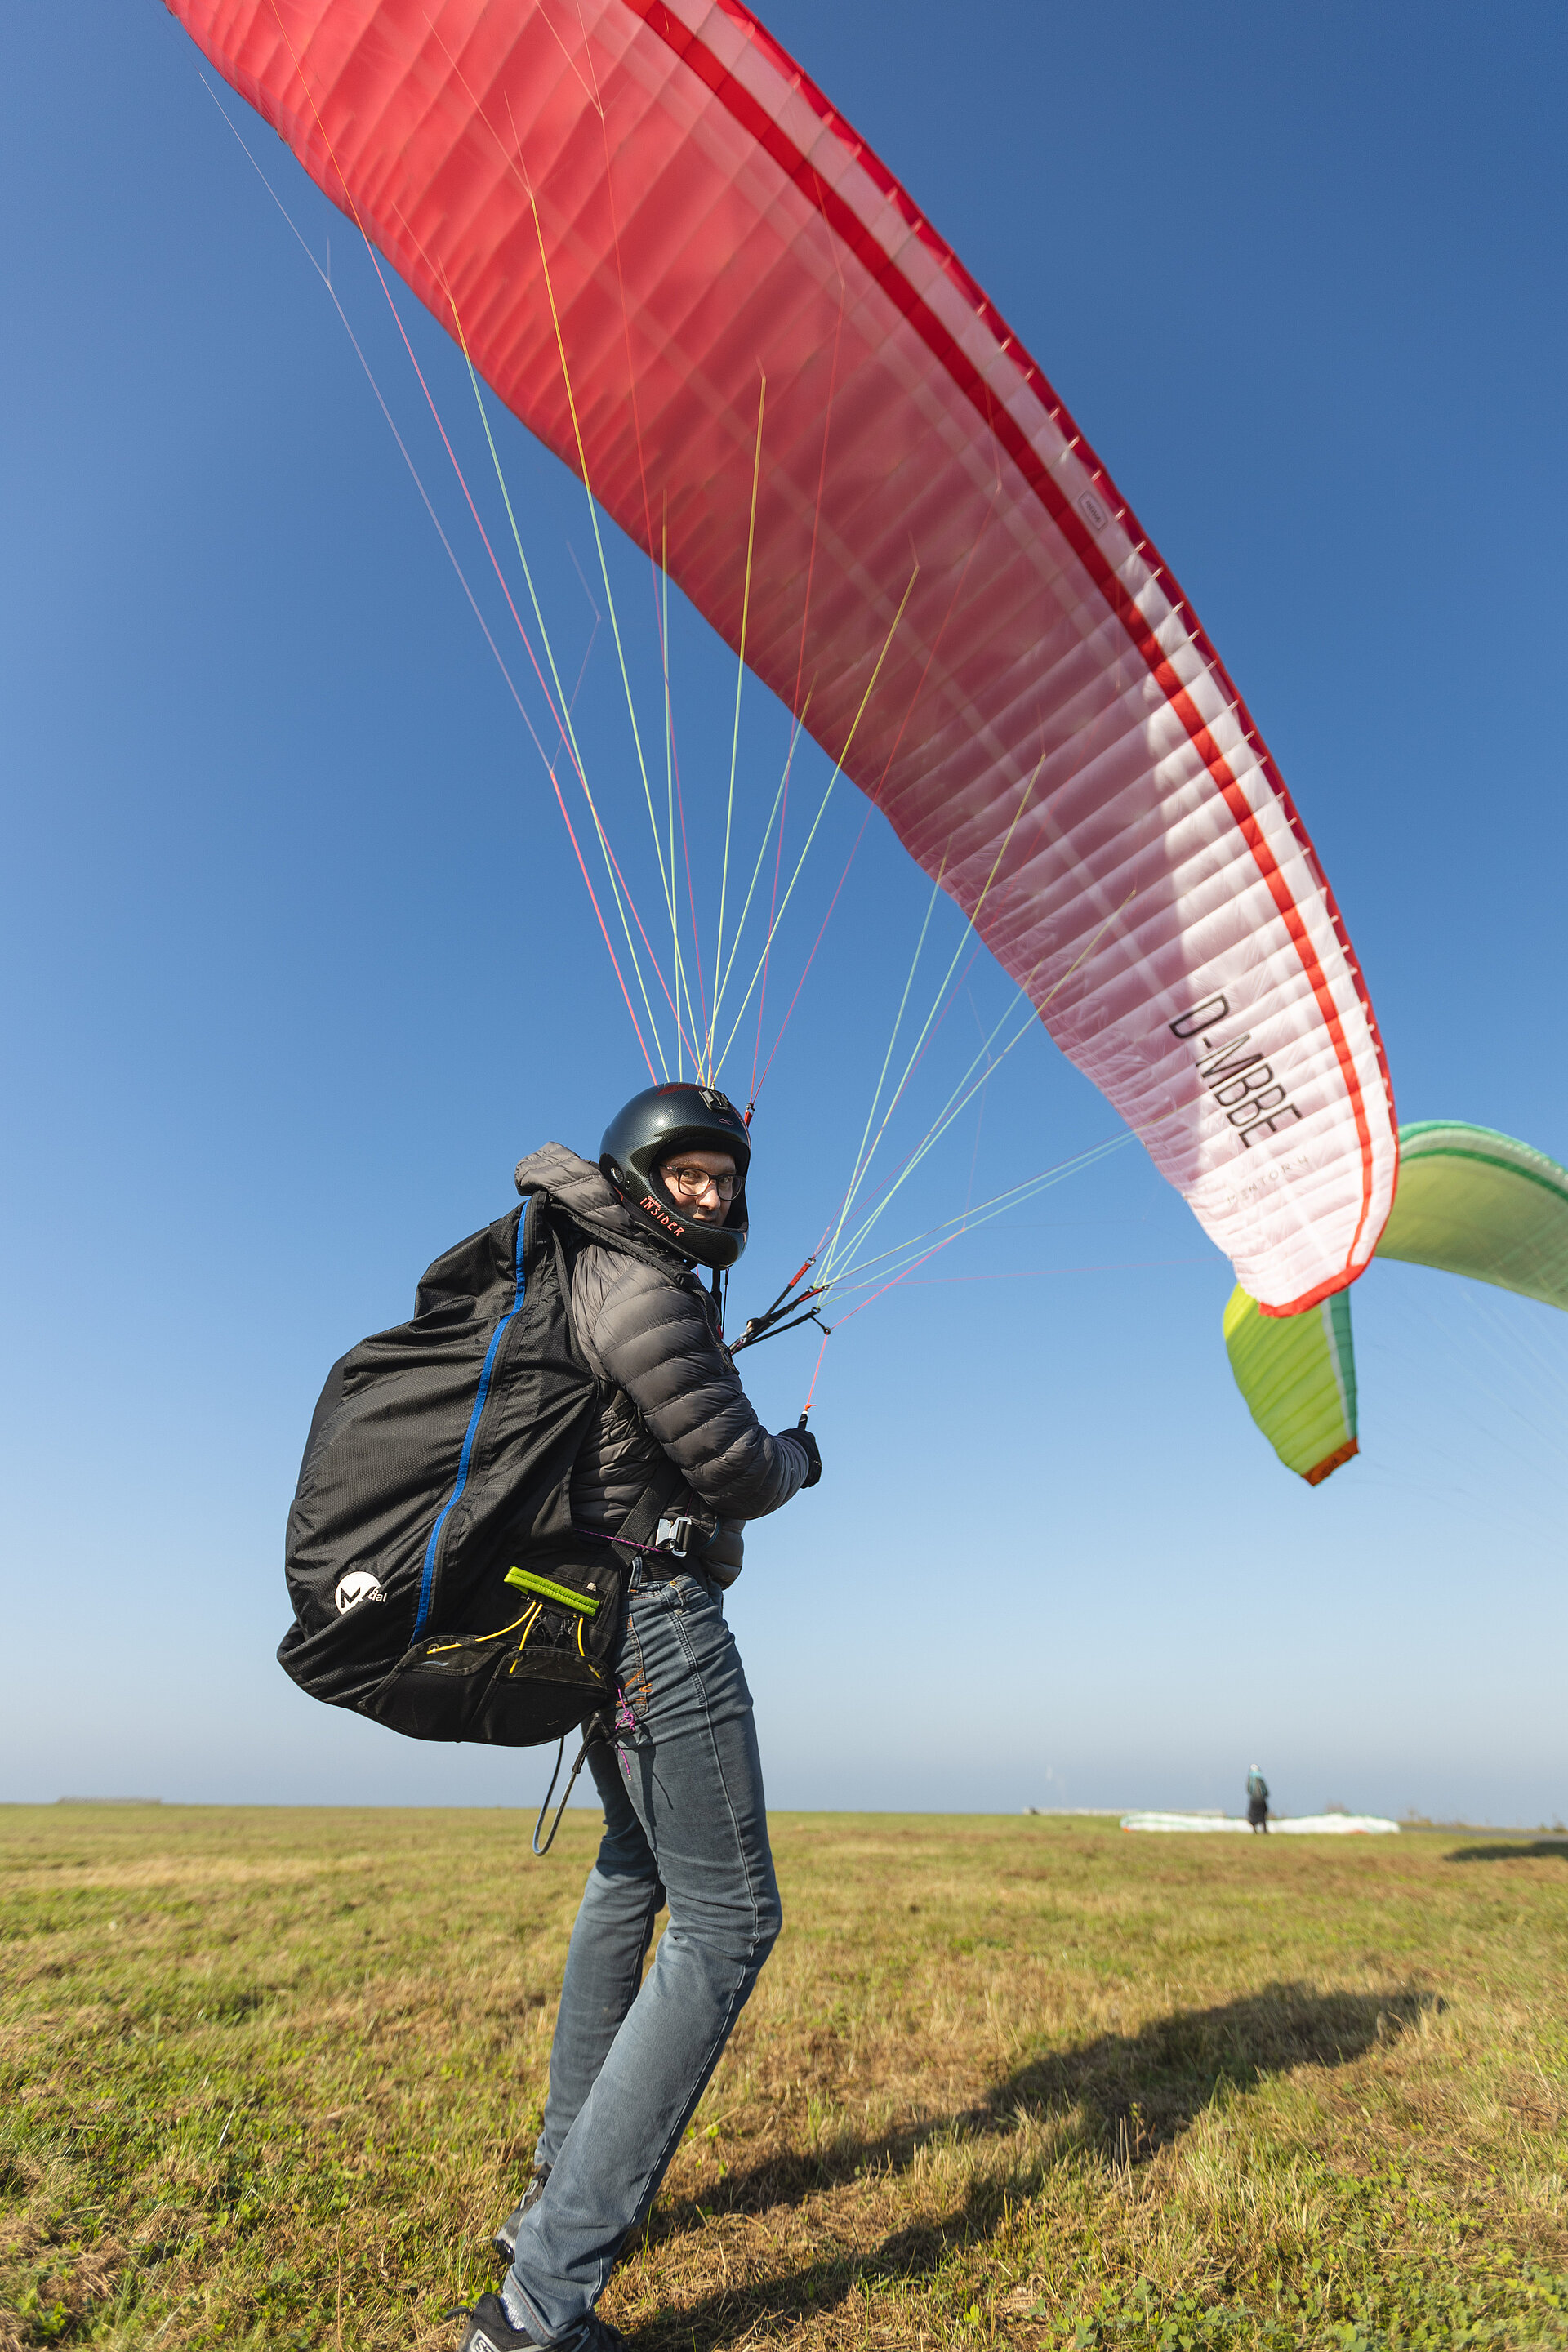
x: 599, y: 1536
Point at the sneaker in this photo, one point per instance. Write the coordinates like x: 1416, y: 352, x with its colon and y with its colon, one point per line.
x: 489, y: 2330
x: 504, y: 2244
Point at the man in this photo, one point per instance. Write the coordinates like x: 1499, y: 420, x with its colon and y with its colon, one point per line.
x: 1257, y: 1800
x: 681, y: 1784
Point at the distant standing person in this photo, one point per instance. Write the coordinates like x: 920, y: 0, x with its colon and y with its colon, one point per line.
x: 1257, y: 1801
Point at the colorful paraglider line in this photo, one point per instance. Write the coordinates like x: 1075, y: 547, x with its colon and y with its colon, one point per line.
x: 598, y: 539
x: 965, y: 1091
x: 863, y: 1157
x: 837, y: 770
x: 721, y: 968
x: 705, y: 1060
x: 556, y: 709
x: 798, y: 709
x: 452, y: 558
x: 560, y: 705
x: 560, y: 708
x: 673, y: 784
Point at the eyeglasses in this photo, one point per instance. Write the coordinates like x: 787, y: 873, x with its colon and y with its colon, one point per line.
x: 692, y: 1183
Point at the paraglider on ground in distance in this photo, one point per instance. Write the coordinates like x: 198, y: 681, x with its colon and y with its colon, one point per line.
x: 1336, y: 1820
x: 1294, y: 1825
x: 1469, y: 1202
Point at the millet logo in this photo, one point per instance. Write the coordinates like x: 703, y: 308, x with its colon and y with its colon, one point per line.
x: 665, y: 1218
x: 1241, y: 1082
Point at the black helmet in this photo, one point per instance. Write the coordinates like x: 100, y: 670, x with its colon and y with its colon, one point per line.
x: 653, y: 1125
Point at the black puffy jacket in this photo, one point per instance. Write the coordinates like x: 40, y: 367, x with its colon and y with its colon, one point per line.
x: 648, y: 1331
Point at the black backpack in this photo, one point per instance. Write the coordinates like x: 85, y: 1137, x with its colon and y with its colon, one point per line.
x: 437, y: 1582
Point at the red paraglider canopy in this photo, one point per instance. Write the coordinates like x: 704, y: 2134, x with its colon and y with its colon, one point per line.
x: 681, y: 269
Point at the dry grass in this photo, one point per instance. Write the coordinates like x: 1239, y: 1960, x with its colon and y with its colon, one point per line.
x: 271, y: 2077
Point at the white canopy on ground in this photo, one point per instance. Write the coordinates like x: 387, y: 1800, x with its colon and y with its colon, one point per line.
x: 1303, y: 1825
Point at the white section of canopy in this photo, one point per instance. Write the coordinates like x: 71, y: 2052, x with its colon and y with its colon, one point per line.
x: 1301, y: 1825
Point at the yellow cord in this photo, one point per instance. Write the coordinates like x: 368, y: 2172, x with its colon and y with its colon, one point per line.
x: 472, y: 1641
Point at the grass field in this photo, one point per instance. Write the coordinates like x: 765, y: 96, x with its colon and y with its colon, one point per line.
x: 271, y: 2077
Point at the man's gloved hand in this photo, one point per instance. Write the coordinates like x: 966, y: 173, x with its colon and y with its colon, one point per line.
x: 802, y: 1436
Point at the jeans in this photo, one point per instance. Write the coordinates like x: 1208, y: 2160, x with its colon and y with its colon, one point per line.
x: 684, y: 1818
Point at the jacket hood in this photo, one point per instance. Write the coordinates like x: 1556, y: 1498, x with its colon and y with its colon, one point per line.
x: 591, y: 1202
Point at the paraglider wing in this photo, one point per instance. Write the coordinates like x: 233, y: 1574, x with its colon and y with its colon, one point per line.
x: 1469, y: 1202
x: 1297, y: 1373
x: 638, y: 213
x: 1473, y: 1201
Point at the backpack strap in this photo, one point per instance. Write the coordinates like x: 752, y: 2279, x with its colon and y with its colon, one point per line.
x: 640, y: 1530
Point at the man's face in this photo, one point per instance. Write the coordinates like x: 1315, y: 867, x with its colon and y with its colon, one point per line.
x: 701, y: 1183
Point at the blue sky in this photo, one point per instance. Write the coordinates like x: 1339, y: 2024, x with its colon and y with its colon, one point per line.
x: 297, y: 962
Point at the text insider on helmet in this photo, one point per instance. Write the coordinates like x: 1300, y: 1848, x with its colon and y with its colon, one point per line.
x: 680, y: 1779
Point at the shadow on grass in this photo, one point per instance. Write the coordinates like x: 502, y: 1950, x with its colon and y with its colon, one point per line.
x: 1145, y: 2089
x: 1516, y: 1850
x: 766, y: 2305
x: 1132, y: 2094
x: 1135, y: 2093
